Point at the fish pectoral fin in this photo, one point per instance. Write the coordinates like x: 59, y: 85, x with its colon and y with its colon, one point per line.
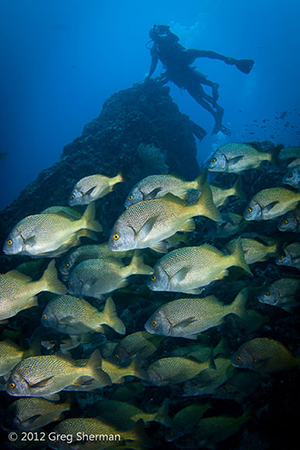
x: 236, y: 159
x: 31, y: 420
x: 180, y: 275
x: 52, y: 397
x: 185, y: 323
x: 194, y: 291
x: 83, y: 381
x: 159, y: 247
x: 68, y: 320
x: 31, y: 241
x: 41, y: 383
x: 90, y: 191
x: 270, y: 206
x: 188, y: 226
x: 222, y: 274
x: 33, y: 301
x: 152, y: 194
x: 146, y: 228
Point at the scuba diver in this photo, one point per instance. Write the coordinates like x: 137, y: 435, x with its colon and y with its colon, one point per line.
x: 177, y: 61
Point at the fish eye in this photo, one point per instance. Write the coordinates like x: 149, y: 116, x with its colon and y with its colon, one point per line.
x: 238, y: 358
x: 130, y: 197
x: 153, y: 277
x: 12, y: 385
x: 116, y: 237
x: 154, y: 323
x: 290, y: 175
x: 213, y: 160
x: 117, y: 356
x: 9, y: 242
x: 281, y: 257
x: 285, y: 222
x: 70, y: 283
x: 44, y: 316
x: 249, y: 210
x: 72, y: 197
x: 67, y: 265
x: 267, y: 294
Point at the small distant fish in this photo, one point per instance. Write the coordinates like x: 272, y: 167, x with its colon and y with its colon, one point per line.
x: 124, y: 415
x: 49, y: 234
x: 282, y: 115
x: 264, y: 355
x: 255, y: 250
x: 18, y: 291
x: 140, y: 344
x: 44, y: 376
x: 96, y: 277
x: 283, y: 293
x: 85, y: 252
x: 32, y: 413
x: 146, y: 224
x: 237, y: 157
x: 290, y: 222
x: 92, y: 188
x: 73, y: 316
x: 291, y: 256
x: 187, y: 317
x: 174, y: 370
x: 271, y: 203
x: 189, y: 268
x: 156, y: 186
x: 220, y: 196
x: 293, y: 178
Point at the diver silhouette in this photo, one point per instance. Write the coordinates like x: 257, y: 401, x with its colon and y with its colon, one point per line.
x: 177, y: 61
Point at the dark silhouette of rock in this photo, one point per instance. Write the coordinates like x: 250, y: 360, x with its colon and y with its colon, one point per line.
x: 140, y: 129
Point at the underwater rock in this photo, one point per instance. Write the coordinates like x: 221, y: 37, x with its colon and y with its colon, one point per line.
x: 134, y: 124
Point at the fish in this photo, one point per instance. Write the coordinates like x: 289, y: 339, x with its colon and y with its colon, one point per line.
x: 290, y: 222
x: 292, y: 178
x: 232, y: 224
x: 96, y: 277
x: 283, y: 293
x: 291, y: 256
x: 189, y: 268
x: 209, y: 379
x: 93, y: 434
x: 221, y: 195
x: 148, y: 223
x: 33, y: 413
x: 44, y: 376
x: 72, y: 315
x: 254, y: 249
x: 209, y: 431
x: 84, y: 252
x: 156, y: 186
x: 49, y: 235
x: 288, y: 154
x: 19, y: 292
x: 264, y: 355
x: 140, y: 344
x: 93, y: 187
x: 174, y: 370
x: 271, y: 203
x: 124, y: 415
x: 238, y: 157
x: 184, y: 420
x: 187, y: 317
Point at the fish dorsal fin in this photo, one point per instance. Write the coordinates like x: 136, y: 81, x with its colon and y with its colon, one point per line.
x: 212, y: 249
x: 18, y: 275
x: 64, y: 215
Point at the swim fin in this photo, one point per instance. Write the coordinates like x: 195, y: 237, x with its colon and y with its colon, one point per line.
x: 244, y: 65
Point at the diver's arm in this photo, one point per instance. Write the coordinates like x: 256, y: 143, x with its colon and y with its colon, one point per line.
x: 154, y: 61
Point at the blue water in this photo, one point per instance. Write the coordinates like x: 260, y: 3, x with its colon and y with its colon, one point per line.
x: 62, y: 58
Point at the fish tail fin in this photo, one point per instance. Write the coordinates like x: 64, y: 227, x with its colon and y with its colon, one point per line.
x: 52, y: 283
x: 111, y: 317
x: 162, y: 416
x: 121, y: 177
x: 275, y: 155
x: 137, y: 265
x: 238, y: 256
x: 34, y: 349
x: 88, y: 219
x: 137, y: 434
x: 205, y: 205
x: 135, y: 368
x: 93, y: 368
x: 238, y: 305
x: 237, y: 188
x: 201, y: 180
